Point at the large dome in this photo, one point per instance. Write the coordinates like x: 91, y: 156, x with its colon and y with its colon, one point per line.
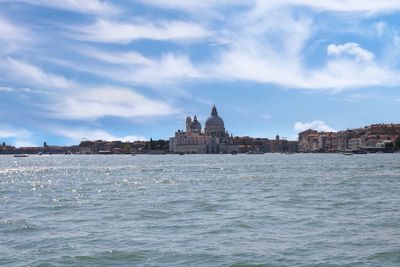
x: 214, y: 120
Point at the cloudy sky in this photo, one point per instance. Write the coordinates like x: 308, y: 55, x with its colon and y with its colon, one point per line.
x: 134, y: 69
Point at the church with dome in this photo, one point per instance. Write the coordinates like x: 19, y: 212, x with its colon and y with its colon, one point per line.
x: 213, y: 139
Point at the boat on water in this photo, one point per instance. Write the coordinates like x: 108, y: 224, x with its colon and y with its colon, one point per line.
x: 255, y: 152
x: 348, y: 153
x: 20, y: 156
x: 234, y: 153
x: 360, y: 152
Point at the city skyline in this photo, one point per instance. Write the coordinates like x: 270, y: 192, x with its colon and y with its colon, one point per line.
x: 130, y: 70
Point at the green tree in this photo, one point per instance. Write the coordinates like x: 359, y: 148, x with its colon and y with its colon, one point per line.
x: 126, y: 148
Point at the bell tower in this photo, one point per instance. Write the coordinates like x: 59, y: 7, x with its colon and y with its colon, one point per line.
x: 188, y: 123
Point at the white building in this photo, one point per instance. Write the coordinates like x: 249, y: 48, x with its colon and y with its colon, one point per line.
x: 213, y: 140
x: 354, y: 143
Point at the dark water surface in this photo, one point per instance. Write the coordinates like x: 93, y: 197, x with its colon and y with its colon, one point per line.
x: 200, y: 210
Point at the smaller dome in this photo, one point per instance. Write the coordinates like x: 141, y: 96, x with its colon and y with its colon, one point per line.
x: 195, y: 124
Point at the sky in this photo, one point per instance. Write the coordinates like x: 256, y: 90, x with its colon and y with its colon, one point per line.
x: 73, y: 70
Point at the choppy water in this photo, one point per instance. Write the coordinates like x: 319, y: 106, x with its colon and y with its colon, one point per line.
x: 209, y: 210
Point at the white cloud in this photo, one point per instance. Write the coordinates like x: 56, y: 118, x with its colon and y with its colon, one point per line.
x: 271, y: 50
x: 183, y: 4
x: 79, y: 134
x: 86, y: 6
x: 336, y: 74
x: 315, y: 125
x: 117, y: 32
x: 346, y: 74
x: 156, y: 73
x: 380, y: 28
x: 26, y: 73
x: 7, y: 131
x: 20, y: 137
x: 125, y: 58
x: 9, y: 31
x: 93, y: 103
x: 168, y: 69
x: 367, y: 6
x: 6, y: 89
x: 12, y: 36
x: 353, y: 49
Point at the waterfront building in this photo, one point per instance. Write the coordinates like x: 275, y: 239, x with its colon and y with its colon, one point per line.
x: 119, y: 147
x: 4, y: 149
x: 375, y: 137
x: 214, y: 139
x: 342, y: 140
x: 308, y: 141
x: 354, y: 144
x: 328, y: 142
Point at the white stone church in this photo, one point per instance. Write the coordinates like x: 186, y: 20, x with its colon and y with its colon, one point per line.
x: 213, y: 140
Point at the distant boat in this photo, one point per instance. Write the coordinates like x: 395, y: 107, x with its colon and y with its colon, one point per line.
x: 255, y: 152
x: 360, y: 152
x: 234, y: 153
x: 348, y: 153
x: 20, y: 156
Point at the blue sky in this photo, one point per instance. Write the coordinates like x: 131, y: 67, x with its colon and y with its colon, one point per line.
x: 134, y: 69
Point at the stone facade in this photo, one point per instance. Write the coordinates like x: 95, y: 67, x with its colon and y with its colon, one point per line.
x: 213, y: 140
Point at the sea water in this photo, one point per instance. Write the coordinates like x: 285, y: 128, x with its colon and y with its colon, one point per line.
x: 200, y: 210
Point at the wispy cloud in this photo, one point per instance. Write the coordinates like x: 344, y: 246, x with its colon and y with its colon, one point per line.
x: 8, y: 131
x: 368, y: 7
x: 10, y: 31
x: 94, y: 103
x: 124, y: 58
x: 6, y: 89
x: 12, y: 36
x: 87, y: 6
x: 108, y: 31
x: 252, y: 54
x: 350, y: 6
x: 29, y: 74
x: 79, y: 134
x: 84, y: 102
x: 134, y: 69
x: 17, y: 136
